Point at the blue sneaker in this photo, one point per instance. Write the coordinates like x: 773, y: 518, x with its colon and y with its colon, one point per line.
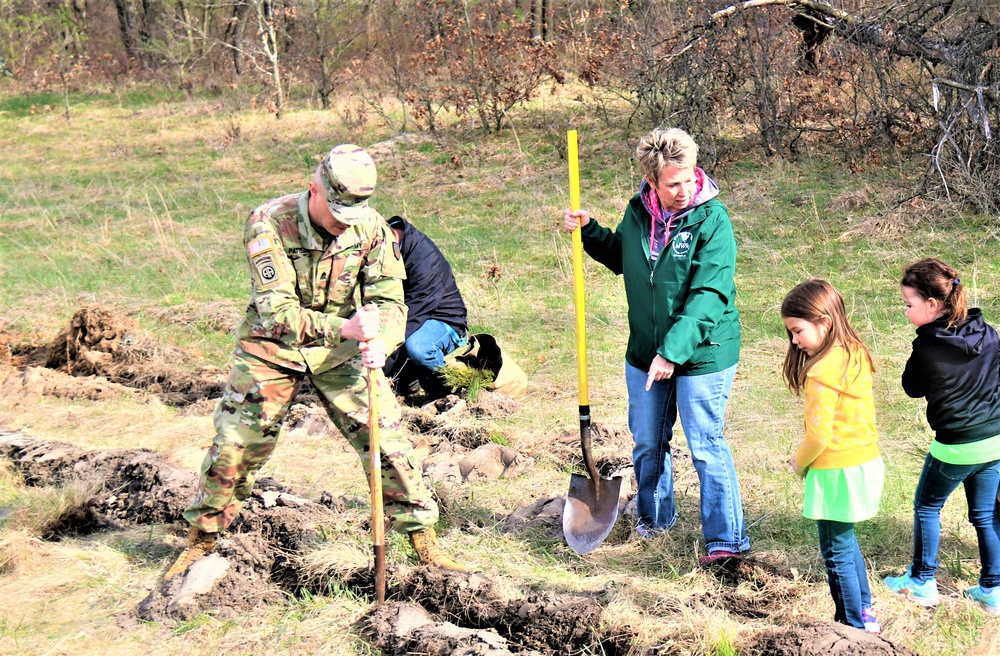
x: 871, y: 624
x: 923, y: 594
x: 988, y: 601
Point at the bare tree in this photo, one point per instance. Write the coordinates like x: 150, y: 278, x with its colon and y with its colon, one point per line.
x: 333, y: 28
x: 267, y: 25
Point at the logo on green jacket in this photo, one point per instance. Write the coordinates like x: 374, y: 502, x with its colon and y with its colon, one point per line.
x: 682, y: 244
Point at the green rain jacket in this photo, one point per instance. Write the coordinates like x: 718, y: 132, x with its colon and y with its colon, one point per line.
x: 683, y: 308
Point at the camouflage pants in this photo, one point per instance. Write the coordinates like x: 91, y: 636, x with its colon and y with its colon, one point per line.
x: 248, y: 419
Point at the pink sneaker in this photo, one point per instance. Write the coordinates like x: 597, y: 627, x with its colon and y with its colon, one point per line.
x: 717, y: 556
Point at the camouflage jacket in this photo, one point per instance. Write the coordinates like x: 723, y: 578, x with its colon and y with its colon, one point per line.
x: 303, y: 291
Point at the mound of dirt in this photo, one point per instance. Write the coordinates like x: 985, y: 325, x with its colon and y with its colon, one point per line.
x: 447, y: 419
x: 547, y: 622
x: 100, y: 355
x: 94, y: 336
x: 449, y: 465
x: 822, y: 640
x: 544, y: 515
x: 755, y: 589
x: 33, y: 383
x: 492, y: 404
x: 406, y: 628
x: 606, y: 443
x: 139, y: 486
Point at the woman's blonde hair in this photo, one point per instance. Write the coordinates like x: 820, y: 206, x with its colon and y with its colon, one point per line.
x: 662, y: 148
x: 932, y: 278
x: 816, y: 301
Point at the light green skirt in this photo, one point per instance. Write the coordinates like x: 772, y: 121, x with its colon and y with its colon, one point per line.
x: 848, y: 495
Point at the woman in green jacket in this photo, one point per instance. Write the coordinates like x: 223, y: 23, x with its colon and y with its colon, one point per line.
x: 676, y: 251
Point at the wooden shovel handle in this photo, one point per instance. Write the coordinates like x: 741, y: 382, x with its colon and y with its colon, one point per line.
x: 375, y: 476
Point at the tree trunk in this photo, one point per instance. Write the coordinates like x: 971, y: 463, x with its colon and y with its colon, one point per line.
x: 150, y: 32
x: 126, y: 23
x: 266, y: 21
x: 185, y: 18
x: 234, y: 33
x: 325, y: 83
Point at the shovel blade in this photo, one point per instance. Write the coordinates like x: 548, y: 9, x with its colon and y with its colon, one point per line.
x: 590, y: 512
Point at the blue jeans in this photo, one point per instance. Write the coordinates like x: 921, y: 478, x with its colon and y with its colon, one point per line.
x: 701, y: 403
x: 845, y: 571
x: 429, y: 343
x: 937, y: 481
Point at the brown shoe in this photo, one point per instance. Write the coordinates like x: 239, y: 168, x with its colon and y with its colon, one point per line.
x: 199, y: 545
x: 425, y: 543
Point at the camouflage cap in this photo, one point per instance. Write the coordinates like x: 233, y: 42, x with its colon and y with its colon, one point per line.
x: 349, y: 176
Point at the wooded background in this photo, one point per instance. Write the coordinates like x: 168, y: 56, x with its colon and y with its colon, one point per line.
x: 872, y: 82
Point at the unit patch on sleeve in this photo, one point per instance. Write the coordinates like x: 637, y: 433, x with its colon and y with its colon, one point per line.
x: 265, y: 268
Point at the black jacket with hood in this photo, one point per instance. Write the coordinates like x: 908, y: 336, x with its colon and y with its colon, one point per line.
x: 958, y: 370
x: 430, y: 290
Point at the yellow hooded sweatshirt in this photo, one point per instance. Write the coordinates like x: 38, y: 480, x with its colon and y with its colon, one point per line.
x: 839, y: 412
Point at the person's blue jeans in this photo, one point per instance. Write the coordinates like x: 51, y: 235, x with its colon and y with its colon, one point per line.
x: 651, y: 417
x: 937, y: 481
x: 701, y: 403
x: 429, y: 343
x: 845, y: 571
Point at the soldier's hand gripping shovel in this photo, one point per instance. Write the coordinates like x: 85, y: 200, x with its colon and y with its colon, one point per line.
x: 592, y: 502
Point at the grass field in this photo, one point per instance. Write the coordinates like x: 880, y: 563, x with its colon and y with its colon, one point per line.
x: 137, y: 203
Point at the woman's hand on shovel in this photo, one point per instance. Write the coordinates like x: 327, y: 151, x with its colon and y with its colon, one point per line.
x: 571, y: 219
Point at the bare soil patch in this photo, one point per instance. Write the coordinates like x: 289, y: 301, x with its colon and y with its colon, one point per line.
x: 754, y: 588
x: 261, y: 558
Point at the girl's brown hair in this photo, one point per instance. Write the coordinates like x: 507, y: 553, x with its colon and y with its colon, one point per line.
x: 816, y: 301
x: 932, y: 278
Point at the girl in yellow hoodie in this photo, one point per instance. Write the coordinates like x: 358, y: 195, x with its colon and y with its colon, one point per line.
x: 828, y: 364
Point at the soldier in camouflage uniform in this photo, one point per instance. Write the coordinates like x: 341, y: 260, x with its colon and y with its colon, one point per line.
x: 327, y: 304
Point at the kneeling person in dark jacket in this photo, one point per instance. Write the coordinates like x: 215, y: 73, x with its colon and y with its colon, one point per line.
x: 436, y: 319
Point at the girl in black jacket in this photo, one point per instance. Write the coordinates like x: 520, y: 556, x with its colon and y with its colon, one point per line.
x: 955, y: 365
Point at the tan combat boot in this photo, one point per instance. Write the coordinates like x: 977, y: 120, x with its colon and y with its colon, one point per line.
x: 425, y: 543
x: 199, y: 544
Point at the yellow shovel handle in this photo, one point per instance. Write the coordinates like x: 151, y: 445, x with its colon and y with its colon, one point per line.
x: 581, y: 317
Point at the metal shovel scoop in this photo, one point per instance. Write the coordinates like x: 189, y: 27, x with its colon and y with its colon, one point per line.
x: 592, y: 503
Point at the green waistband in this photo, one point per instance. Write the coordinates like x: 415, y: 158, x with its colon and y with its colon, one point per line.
x: 972, y: 453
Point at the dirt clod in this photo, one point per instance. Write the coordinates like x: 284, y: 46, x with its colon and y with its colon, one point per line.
x: 406, y: 628
x: 822, y: 640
